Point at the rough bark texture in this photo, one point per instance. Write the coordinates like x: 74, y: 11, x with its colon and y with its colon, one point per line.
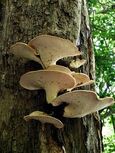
x: 20, y: 21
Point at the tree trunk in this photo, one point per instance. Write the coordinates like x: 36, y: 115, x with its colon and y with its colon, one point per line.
x: 21, y: 21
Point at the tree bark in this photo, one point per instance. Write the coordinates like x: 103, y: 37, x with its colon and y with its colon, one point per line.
x: 21, y: 21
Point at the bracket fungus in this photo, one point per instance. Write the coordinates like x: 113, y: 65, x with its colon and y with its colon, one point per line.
x: 25, y: 51
x: 54, y: 48
x: 50, y: 80
x: 56, y: 78
x: 81, y: 103
x: 44, y: 118
x: 82, y: 79
x: 77, y: 63
x: 59, y: 68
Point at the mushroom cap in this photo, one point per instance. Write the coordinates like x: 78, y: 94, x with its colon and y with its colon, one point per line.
x: 59, y: 68
x: 25, y: 51
x: 51, y: 81
x: 81, y: 103
x: 54, y: 48
x: 82, y: 79
x: 44, y: 118
x: 35, y: 80
x: 77, y: 63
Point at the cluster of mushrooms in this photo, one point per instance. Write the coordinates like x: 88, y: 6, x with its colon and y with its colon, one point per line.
x: 54, y: 79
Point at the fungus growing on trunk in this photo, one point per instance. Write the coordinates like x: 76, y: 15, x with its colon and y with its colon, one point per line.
x: 81, y: 103
x: 59, y: 68
x: 82, y: 79
x: 52, y: 48
x: 77, y: 63
x: 44, y: 118
x: 25, y: 51
x: 50, y: 80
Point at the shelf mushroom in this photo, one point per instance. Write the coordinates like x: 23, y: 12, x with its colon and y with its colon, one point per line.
x: 59, y: 68
x: 44, y: 118
x: 81, y: 103
x: 82, y: 79
x: 50, y: 80
x: 52, y: 48
x: 77, y: 63
x: 25, y: 51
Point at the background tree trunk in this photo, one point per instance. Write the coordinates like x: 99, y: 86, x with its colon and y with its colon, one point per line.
x: 21, y: 21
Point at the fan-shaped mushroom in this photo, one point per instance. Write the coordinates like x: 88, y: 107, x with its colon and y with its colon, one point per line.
x: 44, y: 118
x: 77, y: 63
x: 51, y: 81
x: 59, y: 68
x: 52, y: 48
x: 25, y: 51
x: 82, y: 79
x: 81, y: 103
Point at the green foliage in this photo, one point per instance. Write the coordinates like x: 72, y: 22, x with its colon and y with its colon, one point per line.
x: 102, y: 17
x: 109, y: 144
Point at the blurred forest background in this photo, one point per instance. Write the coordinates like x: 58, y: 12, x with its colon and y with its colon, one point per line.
x: 102, y: 18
